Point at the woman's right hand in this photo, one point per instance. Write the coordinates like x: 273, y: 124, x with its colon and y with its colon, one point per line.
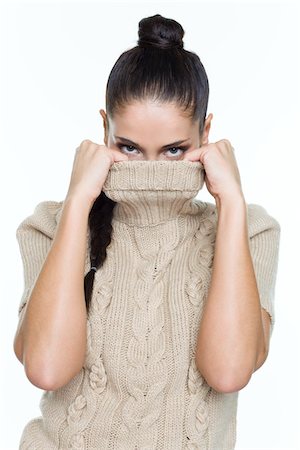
x: 90, y: 168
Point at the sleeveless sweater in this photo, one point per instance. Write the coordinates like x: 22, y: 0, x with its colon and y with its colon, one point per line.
x: 139, y: 387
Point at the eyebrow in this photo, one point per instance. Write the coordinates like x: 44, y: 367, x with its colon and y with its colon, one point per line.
x: 139, y: 146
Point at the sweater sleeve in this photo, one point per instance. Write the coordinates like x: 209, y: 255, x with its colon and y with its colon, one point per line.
x: 264, y: 234
x: 34, y: 235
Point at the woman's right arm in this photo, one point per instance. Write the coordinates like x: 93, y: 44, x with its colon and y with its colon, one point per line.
x: 51, y: 337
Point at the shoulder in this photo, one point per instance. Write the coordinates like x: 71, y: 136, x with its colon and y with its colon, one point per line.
x: 258, y: 217
x: 260, y: 220
x: 43, y: 219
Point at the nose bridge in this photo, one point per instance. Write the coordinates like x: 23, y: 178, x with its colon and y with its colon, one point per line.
x: 151, y: 158
x: 150, y: 155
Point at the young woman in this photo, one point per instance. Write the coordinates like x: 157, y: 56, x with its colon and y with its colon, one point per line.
x: 146, y: 310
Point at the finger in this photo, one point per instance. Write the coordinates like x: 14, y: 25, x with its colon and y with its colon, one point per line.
x: 119, y: 155
x: 193, y: 155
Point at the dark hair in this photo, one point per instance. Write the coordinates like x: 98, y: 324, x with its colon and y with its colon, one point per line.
x: 158, y: 68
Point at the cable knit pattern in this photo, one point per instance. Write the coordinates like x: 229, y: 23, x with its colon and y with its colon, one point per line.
x: 147, y: 368
x: 199, y: 266
x: 139, y: 387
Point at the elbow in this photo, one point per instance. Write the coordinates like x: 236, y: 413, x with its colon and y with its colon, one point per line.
x: 40, y: 379
x: 33, y: 373
x: 227, y: 385
x: 224, y: 382
x: 44, y: 378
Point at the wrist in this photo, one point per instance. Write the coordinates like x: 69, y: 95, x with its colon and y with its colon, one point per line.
x: 81, y: 201
x: 234, y: 201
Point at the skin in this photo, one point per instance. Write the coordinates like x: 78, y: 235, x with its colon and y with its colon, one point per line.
x: 140, y: 121
x: 233, y: 339
x: 52, y: 345
x: 50, y: 340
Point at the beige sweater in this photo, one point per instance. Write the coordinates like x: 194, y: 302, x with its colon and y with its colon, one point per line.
x: 139, y: 387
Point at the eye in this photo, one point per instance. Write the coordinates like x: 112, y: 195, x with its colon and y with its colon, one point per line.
x: 131, y: 147
x: 127, y: 146
x: 183, y: 149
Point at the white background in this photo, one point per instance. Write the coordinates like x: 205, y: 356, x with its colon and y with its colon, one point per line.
x: 55, y: 60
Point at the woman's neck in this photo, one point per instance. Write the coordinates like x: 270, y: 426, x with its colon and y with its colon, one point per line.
x: 151, y: 192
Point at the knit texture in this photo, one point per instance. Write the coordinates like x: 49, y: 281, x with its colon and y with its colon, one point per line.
x: 139, y: 388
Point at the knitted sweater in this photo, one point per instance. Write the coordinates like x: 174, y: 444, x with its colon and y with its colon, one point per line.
x: 139, y: 387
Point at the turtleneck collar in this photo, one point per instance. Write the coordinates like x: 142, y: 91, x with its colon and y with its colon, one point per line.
x: 151, y: 192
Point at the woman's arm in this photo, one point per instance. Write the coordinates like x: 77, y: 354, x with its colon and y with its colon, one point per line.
x: 51, y: 337
x: 231, y: 341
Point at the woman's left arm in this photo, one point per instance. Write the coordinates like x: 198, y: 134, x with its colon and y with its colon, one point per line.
x: 234, y: 330
x: 233, y: 338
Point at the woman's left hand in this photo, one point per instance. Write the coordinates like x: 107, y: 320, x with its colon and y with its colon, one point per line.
x: 222, y: 177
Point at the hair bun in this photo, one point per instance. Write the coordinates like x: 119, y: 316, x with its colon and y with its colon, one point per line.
x: 158, y: 31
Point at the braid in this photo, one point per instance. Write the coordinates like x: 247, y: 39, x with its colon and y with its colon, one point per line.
x: 100, y: 227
